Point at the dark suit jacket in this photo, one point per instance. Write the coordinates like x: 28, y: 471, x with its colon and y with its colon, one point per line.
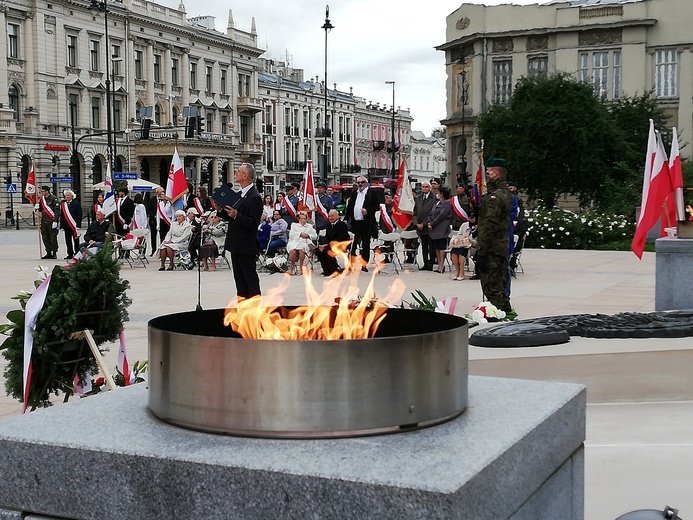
x: 127, y: 209
x: 241, y: 238
x: 421, y: 210
x: 76, y: 212
x: 335, y: 233
x: 371, y: 204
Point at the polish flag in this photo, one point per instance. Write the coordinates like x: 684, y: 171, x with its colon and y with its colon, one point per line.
x: 403, y: 206
x: 30, y: 188
x: 655, y: 189
x: 176, y: 186
x: 109, y: 200
x: 308, y: 197
x: 675, y: 209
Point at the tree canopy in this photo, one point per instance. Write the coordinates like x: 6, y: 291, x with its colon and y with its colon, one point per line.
x: 560, y: 139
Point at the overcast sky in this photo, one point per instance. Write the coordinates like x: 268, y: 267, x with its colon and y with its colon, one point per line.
x: 373, y: 41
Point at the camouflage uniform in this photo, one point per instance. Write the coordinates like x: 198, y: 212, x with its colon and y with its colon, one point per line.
x: 493, y: 230
x: 49, y: 232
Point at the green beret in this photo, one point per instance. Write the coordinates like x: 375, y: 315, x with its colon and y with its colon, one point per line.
x: 497, y: 161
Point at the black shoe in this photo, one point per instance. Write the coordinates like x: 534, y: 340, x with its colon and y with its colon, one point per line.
x: 475, y: 277
x: 364, y: 269
x: 47, y: 256
x: 68, y: 257
x: 54, y: 255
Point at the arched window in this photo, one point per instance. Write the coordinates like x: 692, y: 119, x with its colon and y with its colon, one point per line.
x: 14, y: 101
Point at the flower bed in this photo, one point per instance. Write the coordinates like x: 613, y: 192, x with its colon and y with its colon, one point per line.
x: 558, y: 229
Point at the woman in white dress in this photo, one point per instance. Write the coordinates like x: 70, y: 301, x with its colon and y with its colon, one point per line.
x: 140, y: 220
x: 176, y: 239
x: 302, y: 236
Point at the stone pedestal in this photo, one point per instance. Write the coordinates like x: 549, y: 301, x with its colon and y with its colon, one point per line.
x: 674, y: 271
x: 516, y: 453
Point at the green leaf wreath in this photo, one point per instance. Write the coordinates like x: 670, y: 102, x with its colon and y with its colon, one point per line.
x: 86, y: 295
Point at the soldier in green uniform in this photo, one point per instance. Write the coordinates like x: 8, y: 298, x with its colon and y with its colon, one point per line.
x: 492, y: 235
x: 50, y: 214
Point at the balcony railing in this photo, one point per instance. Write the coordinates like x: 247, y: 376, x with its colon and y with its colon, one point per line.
x: 378, y: 145
x: 296, y: 166
x: 251, y: 148
x: 323, y: 132
x: 349, y: 168
x: 249, y: 105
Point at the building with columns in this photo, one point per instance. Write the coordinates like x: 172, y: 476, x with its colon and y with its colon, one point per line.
x: 427, y: 159
x: 62, y: 57
x: 296, y: 129
x: 621, y: 47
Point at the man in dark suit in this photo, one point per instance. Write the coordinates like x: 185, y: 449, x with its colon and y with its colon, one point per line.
x: 360, y: 215
x: 336, y: 231
x: 241, y: 238
x: 423, y: 204
x: 125, y: 210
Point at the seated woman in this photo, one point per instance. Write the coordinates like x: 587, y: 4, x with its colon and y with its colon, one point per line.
x: 302, y: 236
x: 278, y: 234
x: 176, y: 239
x: 213, y: 233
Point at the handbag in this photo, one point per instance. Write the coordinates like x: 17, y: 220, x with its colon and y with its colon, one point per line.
x: 459, y: 240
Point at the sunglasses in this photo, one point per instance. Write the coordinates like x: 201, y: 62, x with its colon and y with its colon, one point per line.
x: 362, y: 182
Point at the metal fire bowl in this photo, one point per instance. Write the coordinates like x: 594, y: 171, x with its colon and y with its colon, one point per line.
x: 204, y: 376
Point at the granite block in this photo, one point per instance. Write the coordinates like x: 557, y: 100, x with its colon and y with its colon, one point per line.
x: 513, y: 438
x: 8, y: 514
x: 673, y: 269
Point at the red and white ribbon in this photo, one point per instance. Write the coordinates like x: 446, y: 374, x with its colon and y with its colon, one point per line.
x: 385, y: 218
x: 459, y: 211
x: 69, y: 219
x: 47, y: 209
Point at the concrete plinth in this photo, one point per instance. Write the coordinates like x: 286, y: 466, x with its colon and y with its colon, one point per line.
x: 674, y: 270
x: 516, y: 453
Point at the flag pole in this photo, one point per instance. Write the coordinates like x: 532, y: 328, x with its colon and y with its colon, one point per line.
x: 38, y: 228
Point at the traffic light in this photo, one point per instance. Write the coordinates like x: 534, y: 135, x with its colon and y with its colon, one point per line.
x: 190, y: 125
x: 200, y: 125
x: 146, y: 125
x: 205, y: 177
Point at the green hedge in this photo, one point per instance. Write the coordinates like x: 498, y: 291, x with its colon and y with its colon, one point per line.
x: 558, y: 229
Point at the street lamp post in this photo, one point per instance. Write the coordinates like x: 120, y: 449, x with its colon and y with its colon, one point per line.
x: 392, y: 132
x: 327, y: 26
x: 102, y: 6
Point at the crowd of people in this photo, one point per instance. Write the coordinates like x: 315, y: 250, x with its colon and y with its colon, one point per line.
x: 445, y: 224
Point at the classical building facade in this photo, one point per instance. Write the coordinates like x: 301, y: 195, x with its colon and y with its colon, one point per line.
x: 621, y: 47
x: 427, y: 159
x: 61, y: 56
x: 297, y: 128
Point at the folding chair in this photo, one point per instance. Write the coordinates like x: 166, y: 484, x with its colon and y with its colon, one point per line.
x: 515, y: 257
x: 409, y: 252
x: 135, y: 249
x: 386, y: 245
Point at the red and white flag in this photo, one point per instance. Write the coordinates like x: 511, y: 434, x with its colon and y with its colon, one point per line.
x: 109, y: 199
x: 655, y: 189
x: 676, y: 174
x: 123, y: 365
x: 459, y: 210
x: 308, y: 196
x: 177, y: 185
x: 33, y: 306
x: 30, y: 188
x: 403, y: 205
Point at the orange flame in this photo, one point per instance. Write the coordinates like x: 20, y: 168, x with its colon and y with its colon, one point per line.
x: 337, y: 312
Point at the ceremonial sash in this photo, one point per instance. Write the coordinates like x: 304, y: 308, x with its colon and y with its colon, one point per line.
x: 162, y: 215
x: 120, y: 219
x: 198, y: 205
x: 320, y: 208
x: 69, y: 218
x: 97, y: 207
x: 384, y: 217
x: 289, y: 208
x: 459, y: 211
x: 47, y: 209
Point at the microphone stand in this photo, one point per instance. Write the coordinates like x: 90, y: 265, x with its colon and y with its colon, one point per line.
x: 199, y: 271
